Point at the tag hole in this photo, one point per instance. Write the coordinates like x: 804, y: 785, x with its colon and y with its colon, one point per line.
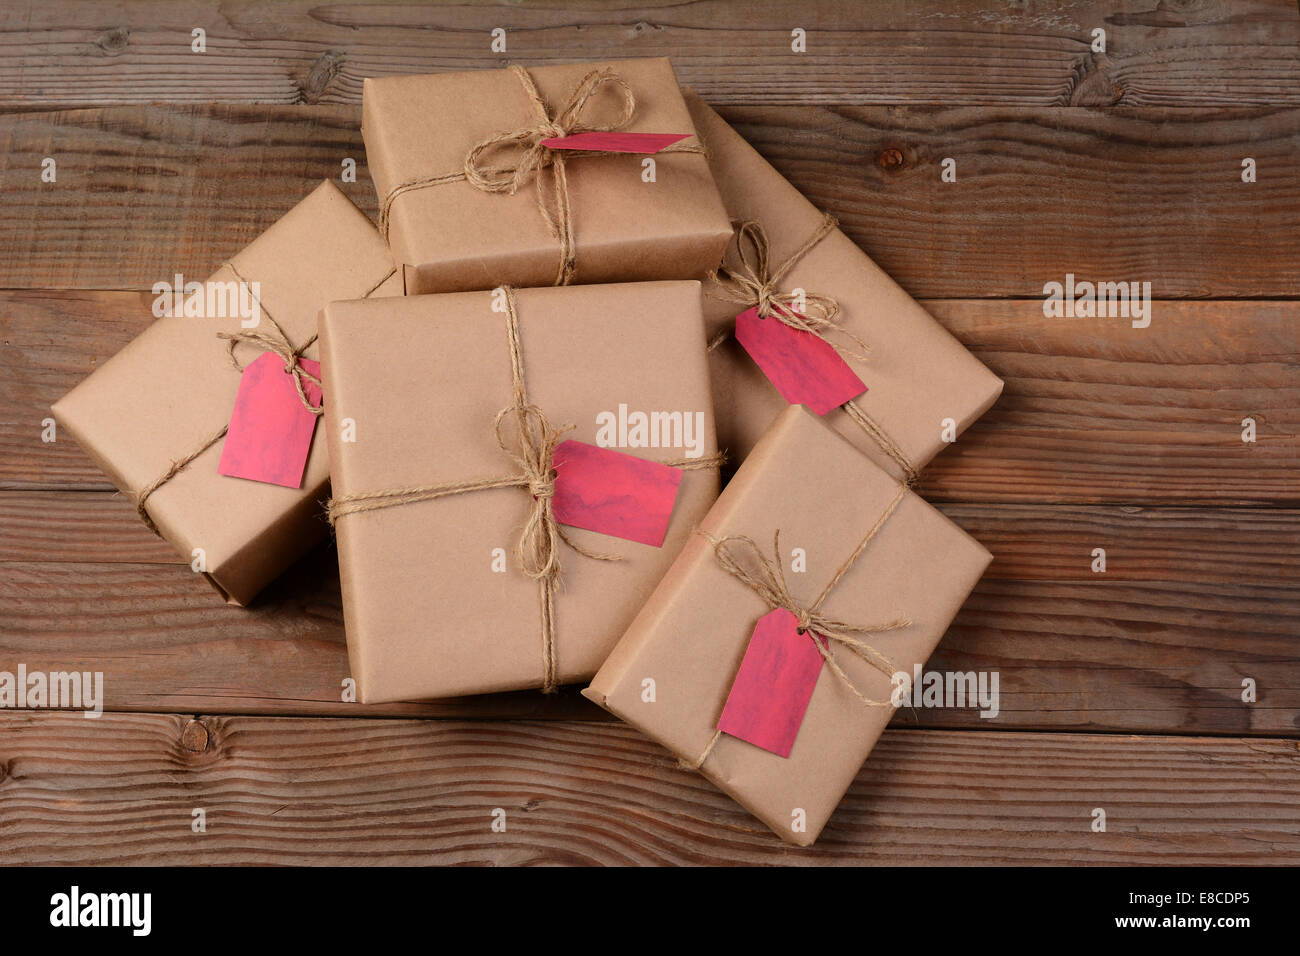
x: 801, y: 630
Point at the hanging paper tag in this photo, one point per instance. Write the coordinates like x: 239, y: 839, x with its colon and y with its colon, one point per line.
x: 805, y: 369
x: 616, y: 142
x: 614, y: 493
x: 774, y: 684
x: 270, y: 430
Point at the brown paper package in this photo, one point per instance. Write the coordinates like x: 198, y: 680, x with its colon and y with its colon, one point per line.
x: 625, y: 229
x: 824, y: 496
x: 423, y: 378
x: 173, y: 387
x: 916, y: 373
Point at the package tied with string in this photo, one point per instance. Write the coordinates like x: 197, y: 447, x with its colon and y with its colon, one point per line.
x: 207, y: 421
x: 780, y: 639
x: 540, y: 176
x: 521, y: 468
x: 801, y: 315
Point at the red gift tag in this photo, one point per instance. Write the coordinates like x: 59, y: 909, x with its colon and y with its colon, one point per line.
x: 774, y: 684
x: 616, y: 142
x: 270, y: 429
x: 614, y: 493
x: 805, y: 369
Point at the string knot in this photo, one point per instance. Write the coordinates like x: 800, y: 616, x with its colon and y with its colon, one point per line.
x: 765, y: 300
x: 550, y: 131
x: 543, y: 488
x: 751, y: 282
x: 740, y: 557
x: 279, y: 344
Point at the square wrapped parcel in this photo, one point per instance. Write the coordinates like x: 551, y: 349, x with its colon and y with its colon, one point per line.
x: 167, y: 397
x: 443, y: 487
x: 460, y: 217
x: 916, y: 373
x: 890, y: 572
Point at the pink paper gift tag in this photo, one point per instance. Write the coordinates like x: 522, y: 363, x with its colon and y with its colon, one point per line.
x: 270, y: 430
x: 614, y: 493
x: 774, y: 684
x: 804, y: 369
x: 616, y: 142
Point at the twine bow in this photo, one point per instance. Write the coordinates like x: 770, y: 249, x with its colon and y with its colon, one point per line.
x: 280, y: 345
x: 766, y: 578
x: 531, y: 157
x: 532, y: 448
x: 753, y: 283
x: 534, y: 157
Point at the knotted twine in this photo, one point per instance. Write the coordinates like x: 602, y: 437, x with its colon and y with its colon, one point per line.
x: 279, y: 344
x: 754, y: 284
x: 767, y: 579
x: 535, y: 157
x: 532, y: 450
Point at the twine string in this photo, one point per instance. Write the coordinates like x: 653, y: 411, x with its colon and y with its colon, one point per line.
x: 752, y: 282
x: 278, y: 343
x: 766, y: 578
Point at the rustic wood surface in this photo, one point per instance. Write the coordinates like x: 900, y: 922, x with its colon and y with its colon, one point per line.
x: 1168, y: 53
x: 1123, y: 165
x: 349, y: 792
x: 1142, y: 193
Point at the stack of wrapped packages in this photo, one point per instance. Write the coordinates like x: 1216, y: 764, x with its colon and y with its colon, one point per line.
x: 586, y: 293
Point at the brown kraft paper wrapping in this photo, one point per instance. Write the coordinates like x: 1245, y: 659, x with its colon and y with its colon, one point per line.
x: 173, y: 387
x: 422, y: 379
x: 625, y: 229
x: 916, y: 373
x: 823, y: 496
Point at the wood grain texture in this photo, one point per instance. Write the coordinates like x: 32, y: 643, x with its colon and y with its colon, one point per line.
x: 162, y: 643
x: 1193, y: 52
x: 1031, y: 542
x: 1093, y: 410
x: 320, y: 791
x: 1193, y: 601
x: 1116, y: 194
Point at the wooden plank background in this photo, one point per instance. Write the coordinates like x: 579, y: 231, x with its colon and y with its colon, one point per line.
x: 348, y: 792
x: 1120, y: 690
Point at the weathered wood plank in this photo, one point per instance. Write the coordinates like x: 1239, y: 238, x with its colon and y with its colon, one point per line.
x: 736, y: 51
x: 1094, y: 410
x: 1117, y: 195
x: 1149, y: 648
x: 1031, y: 542
x: 162, y: 643
x: 124, y: 790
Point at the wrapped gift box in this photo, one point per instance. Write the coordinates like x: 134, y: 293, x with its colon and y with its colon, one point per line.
x: 438, y: 600
x: 455, y: 235
x: 912, y: 571
x: 916, y: 374
x: 171, y: 391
